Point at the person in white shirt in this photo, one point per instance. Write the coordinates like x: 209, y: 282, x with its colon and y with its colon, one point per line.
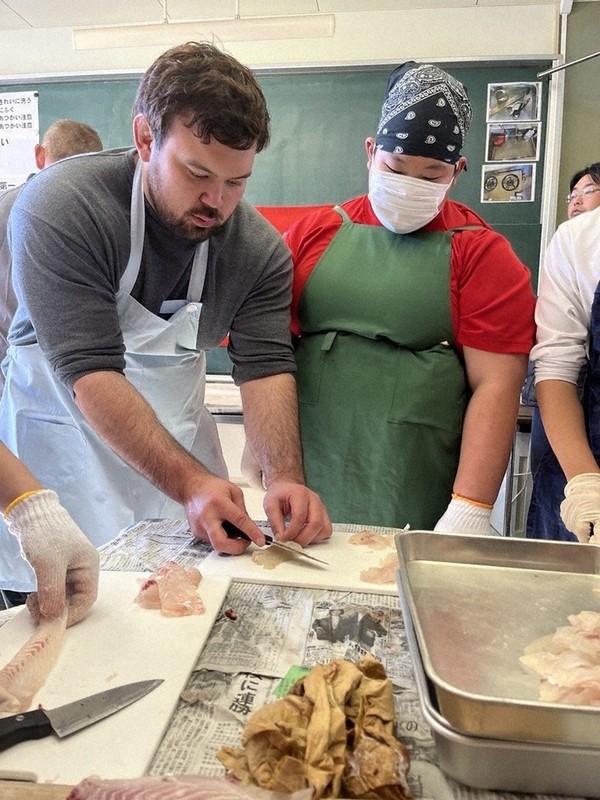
x: 567, y: 483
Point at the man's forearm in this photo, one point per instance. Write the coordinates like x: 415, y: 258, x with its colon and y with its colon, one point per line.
x: 271, y: 424
x: 126, y: 422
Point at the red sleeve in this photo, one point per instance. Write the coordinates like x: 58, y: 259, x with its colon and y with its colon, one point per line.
x: 492, y: 298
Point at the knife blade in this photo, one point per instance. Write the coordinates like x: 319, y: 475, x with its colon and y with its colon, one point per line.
x: 233, y: 532
x: 71, y: 717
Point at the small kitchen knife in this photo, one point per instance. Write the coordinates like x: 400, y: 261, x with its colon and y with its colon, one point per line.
x: 71, y: 717
x: 233, y: 532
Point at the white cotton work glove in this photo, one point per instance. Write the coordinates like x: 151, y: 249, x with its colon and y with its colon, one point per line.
x: 65, y: 563
x: 466, y: 516
x: 251, y: 469
x: 581, y: 507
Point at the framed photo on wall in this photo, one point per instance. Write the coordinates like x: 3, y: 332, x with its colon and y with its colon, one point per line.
x: 513, y: 141
x: 513, y: 102
x: 507, y: 183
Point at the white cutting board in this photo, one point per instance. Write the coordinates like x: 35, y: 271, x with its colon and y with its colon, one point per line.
x: 346, y: 562
x: 117, y: 643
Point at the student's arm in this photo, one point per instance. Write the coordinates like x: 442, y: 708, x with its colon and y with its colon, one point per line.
x: 15, y: 478
x: 489, y: 426
x: 562, y: 414
x: 490, y: 422
x: 66, y: 565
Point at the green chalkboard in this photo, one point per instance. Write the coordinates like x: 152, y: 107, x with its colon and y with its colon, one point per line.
x: 319, y: 123
x: 320, y: 120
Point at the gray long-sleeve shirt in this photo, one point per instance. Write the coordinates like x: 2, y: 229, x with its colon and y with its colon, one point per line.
x: 8, y: 301
x: 70, y: 242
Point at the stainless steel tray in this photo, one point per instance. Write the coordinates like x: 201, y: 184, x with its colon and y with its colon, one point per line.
x: 476, y: 602
x: 497, y: 764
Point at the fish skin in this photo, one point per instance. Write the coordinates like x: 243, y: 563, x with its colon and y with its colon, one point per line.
x: 26, y: 672
x: 180, y: 787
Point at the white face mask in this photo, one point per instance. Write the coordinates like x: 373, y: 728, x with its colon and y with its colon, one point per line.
x: 404, y: 204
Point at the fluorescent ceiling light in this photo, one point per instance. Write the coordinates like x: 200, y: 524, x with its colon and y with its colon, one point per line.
x: 246, y: 29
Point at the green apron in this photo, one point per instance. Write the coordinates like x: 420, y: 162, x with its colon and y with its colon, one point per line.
x: 382, y: 393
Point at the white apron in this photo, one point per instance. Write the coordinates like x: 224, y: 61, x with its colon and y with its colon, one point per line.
x: 41, y: 423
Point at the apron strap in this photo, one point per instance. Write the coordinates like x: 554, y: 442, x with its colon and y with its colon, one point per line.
x: 196, y: 284
x: 339, y: 210
x: 328, y: 340
x: 137, y: 229
x: 136, y: 232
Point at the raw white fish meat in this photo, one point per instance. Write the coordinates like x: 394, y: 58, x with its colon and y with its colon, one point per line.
x: 384, y: 572
x: 372, y: 540
x: 179, y: 787
x: 568, y: 661
x: 173, y: 590
x: 26, y: 672
x: 272, y: 557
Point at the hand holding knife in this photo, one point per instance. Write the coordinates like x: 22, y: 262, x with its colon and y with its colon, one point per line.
x: 233, y: 532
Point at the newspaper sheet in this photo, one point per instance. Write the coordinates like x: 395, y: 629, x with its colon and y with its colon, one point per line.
x: 261, y: 632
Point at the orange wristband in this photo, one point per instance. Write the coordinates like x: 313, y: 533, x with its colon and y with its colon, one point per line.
x: 479, y: 504
x: 18, y: 499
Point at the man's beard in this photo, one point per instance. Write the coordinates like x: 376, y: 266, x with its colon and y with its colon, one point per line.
x: 184, y: 226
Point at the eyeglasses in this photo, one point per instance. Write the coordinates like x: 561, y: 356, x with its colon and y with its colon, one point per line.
x: 583, y: 193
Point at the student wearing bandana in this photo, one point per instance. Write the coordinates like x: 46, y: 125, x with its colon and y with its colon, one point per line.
x: 413, y: 320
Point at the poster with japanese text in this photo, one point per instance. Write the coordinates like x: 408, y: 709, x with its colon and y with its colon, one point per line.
x: 19, y: 133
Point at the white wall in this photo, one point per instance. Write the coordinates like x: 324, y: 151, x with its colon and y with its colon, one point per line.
x: 476, y: 32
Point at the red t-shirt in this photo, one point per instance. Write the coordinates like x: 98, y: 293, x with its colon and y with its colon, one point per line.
x: 491, y: 297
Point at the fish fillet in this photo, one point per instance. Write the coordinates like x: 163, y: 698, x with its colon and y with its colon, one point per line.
x: 372, y: 540
x: 271, y: 557
x: 568, y: 661
x: 181, y: 787
x: 27, y: 671
x: 172, y: 589
x: 384, y: 572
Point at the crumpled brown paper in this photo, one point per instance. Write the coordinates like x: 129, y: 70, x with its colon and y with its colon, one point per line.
x: 333, y: 732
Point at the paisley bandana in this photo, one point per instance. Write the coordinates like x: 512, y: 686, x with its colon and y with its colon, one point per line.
x: 426, y: 113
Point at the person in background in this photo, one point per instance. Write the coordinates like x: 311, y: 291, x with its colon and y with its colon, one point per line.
x: 65, y: 137
x: 128, y: 265
x: 543, y: 517
x: 65, y: 563
x: 566, y: 496
x: 413, y: 321
x: 584, y: 190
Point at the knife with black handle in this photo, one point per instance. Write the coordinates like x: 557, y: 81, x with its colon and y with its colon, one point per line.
x: 71, y: 717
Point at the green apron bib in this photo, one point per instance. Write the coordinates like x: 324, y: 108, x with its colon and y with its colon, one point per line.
x: 382, y: 393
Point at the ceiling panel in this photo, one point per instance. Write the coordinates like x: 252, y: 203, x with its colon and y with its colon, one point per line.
x: 266, y: 8
x: 8, y: 19
x: 192, y: 9
x: 516, y: 2
x: 66, y: 13
x: 338, y: 6
x: 18, y: 14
